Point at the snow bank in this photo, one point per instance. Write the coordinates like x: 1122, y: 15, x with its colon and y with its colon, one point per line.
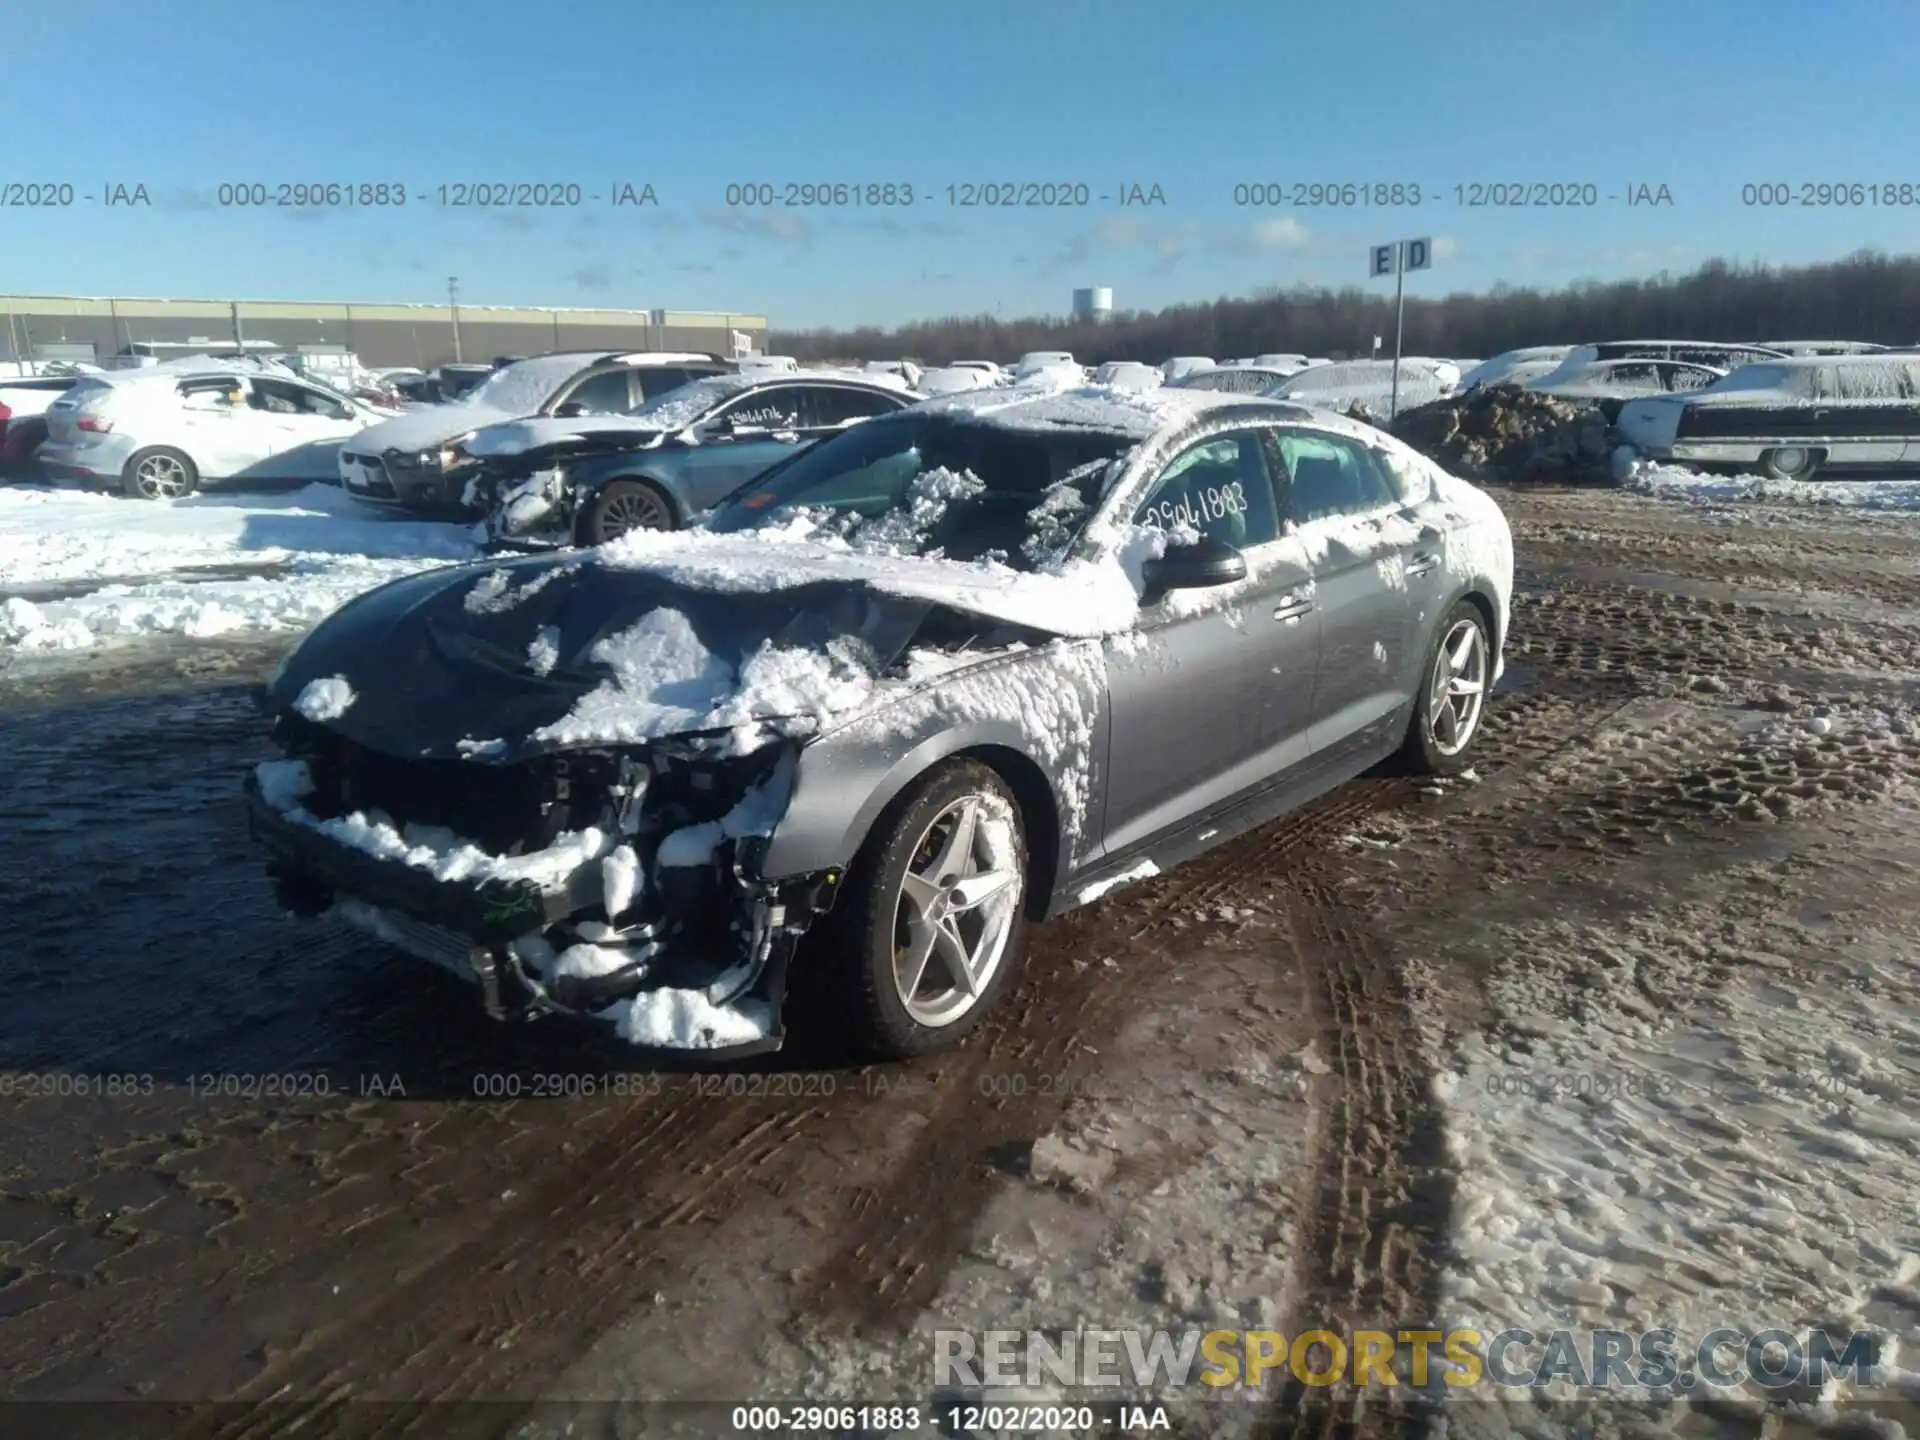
x: 1145, y: 870
x: 1676, y: 482
x: 315, y: 549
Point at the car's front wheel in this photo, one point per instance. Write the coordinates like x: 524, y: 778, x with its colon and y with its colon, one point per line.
x: 621, y: 506
x: 159, y: 472
x: 1790, y: 462
x: 1452, y: 699
x: 925, y: 937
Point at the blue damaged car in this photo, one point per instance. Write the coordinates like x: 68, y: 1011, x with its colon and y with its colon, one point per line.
x: 585, y: 480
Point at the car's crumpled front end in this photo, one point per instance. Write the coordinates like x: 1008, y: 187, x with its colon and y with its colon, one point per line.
x: 619, y: 882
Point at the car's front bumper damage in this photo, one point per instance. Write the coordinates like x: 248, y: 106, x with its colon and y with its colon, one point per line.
x: 681, y: 956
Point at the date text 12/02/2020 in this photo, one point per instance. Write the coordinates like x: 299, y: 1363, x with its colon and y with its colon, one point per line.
x: 1471, y: 195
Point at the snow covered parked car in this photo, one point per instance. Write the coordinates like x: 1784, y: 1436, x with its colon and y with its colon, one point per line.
x: 164, y: 431
x: 903, y: 695
x: 1789, y: 418
x: 953, y: 380
x: 405, y: 462
x: 1611, y: 383
x: 1234, y: 379
x: 1127, y: 375
x: 1346, y: 383
x: 1515, y: 367
x: 1178, y: 367
x: 587, y: 480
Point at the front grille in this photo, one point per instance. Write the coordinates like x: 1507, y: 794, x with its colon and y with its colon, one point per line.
x: 504, y: 809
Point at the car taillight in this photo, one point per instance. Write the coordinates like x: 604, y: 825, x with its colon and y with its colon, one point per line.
x: 6, y: 412
x: 95, y: 424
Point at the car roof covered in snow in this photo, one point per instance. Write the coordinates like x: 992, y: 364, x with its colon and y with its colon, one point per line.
x: 1138, y: 414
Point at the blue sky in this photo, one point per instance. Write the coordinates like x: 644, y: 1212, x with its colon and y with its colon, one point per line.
x: 1194, y: 96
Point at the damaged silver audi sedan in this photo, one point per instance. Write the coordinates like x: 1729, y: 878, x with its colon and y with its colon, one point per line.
x: 952, y: 671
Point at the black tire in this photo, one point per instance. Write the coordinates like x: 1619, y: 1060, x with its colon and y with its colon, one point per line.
x: 600, y: 517
x: 1425, y: 751
x: 852, y: 954
x: 1791, y: 462
x: 140, y: 478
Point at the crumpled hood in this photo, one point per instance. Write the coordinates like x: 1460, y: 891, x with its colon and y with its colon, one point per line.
x: 426, y: 428
x: 455, y: 655
x: 521, y: 437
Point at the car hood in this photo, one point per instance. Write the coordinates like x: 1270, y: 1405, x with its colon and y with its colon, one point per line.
x: 449, y: 664
x: 426, y: 428
x: 525, y: 437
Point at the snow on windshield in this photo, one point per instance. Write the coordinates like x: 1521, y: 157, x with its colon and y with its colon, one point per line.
x: 524, y: 386
x: 681, y: 406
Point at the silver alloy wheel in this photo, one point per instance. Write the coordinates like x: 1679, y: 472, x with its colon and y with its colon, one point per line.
x: 1457, y: 688
x: 955, y: 912
x: 161, y: 477
x: 637, y: 509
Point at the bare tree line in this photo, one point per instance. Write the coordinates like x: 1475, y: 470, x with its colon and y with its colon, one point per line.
x: 1867, y: 296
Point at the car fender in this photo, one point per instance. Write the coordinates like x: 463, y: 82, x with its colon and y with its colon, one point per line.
x: 1042, y: 709
x: 822, y: 831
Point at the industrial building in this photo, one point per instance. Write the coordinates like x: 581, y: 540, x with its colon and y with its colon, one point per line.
x: 67, y: 327
x: 1095, y: 302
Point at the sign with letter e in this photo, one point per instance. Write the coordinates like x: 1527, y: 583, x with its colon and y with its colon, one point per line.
x: 1419, y: 253
x: 1383, y: 258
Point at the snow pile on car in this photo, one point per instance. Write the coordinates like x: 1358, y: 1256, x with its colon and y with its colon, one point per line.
x: 665, y: 681
x: 1502, y: 432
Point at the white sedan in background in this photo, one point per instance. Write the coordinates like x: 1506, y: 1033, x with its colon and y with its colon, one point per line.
x: 1344, y: 384
x: 1129, y: 375
x: 164, y: 431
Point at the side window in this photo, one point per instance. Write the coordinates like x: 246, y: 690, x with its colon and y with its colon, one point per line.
x: 834, y: 407
x: 778, y: 407
x: 215, y: 395
x: 1635, y: 375
x: 1331, y: 475
x: 1221, y: 487
x: 659, y: 379
x: 1868, y: 382
x: 603, y: 394
x: 1688, y: 377
x: 1410, y: 485
x: 282, y: 397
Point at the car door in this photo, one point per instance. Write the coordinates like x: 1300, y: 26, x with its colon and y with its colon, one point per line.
x: 1209, y: 698
x: 1372, y: 558
x: 218, y: 429
x: 303, y: 427
x: 739, y: 439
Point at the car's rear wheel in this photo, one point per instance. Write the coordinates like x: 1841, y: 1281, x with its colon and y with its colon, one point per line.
x: 622, y: 506
x: 1790, y: 462
x: 159, y: 473
x: 925, y: 936
x: 1452, y: 699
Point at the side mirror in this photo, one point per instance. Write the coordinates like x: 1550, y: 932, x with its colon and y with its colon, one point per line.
x: 569, y: 410
x: 1205, y: 563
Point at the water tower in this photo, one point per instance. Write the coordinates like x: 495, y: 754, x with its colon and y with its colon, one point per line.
x: 1094, y: 302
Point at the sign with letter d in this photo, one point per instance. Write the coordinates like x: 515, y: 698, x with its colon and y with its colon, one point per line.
x: 1419, y: 254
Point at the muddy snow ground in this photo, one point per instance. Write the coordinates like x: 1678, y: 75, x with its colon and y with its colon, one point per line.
x: 1622, y: 1031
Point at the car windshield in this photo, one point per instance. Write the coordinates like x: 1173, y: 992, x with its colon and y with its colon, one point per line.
x: 1239, y: 380
x: 937, y: 485
x: 679, y: 407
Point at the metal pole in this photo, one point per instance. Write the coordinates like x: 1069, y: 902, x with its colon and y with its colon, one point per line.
x: 453, y: 303
x: 1399, y: 318
x: 239, y: 338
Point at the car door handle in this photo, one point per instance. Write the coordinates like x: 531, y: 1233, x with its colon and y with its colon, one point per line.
x: 1423, y: 562
x: 1292, y: 607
